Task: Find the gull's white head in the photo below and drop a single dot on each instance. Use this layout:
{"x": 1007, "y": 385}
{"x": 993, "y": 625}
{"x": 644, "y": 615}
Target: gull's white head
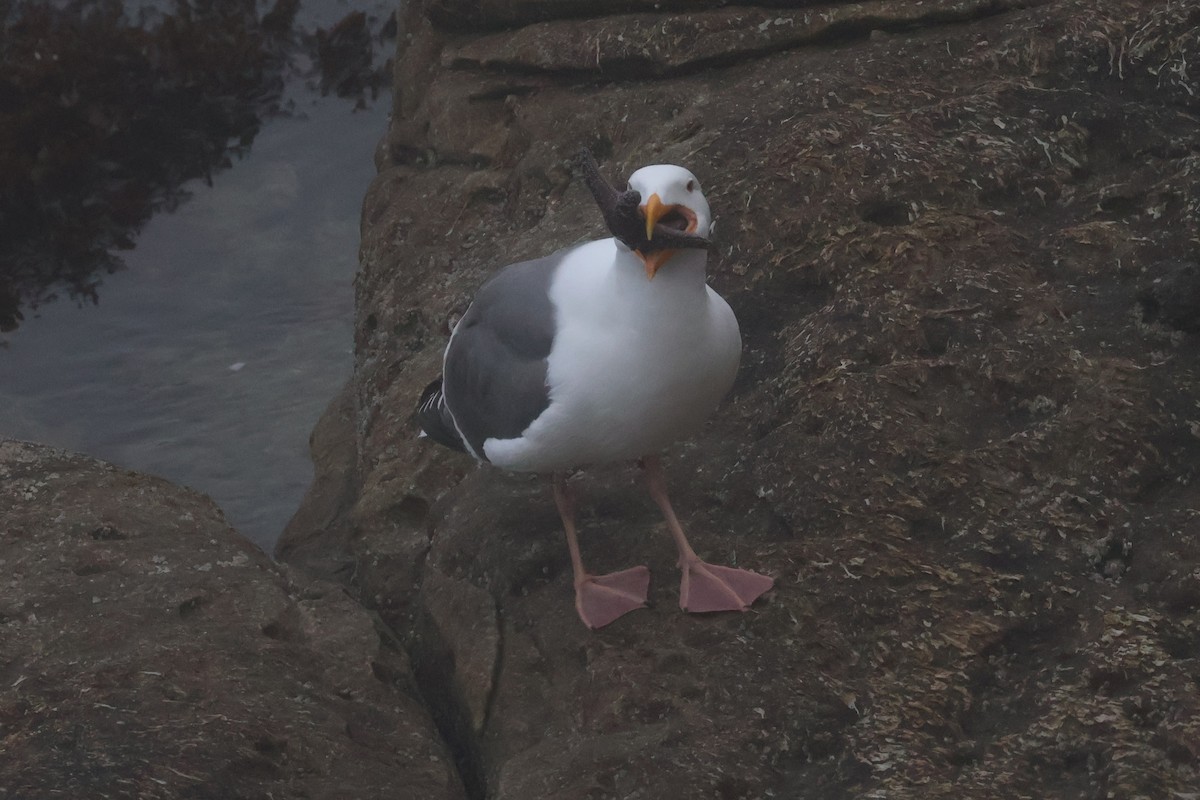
{"x": 671, "y": 197}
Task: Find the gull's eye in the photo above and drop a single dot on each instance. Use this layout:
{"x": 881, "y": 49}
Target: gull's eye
{"x": 691, "y": 186}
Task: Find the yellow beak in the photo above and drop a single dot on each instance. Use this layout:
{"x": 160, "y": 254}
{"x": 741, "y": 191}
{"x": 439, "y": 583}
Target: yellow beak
{"x": 654, "y": 209}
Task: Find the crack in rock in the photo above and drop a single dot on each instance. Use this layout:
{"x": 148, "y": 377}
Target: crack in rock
{"x": 653, "y": 45}
{"x": 456, "y": 655}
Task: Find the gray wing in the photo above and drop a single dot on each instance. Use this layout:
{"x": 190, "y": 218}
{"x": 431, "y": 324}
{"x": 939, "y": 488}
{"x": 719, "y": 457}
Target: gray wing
{"x": 495, "y": 371}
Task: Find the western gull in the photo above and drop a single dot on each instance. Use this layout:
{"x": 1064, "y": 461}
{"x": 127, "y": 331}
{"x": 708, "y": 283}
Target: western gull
{"x": 602, "y": 352}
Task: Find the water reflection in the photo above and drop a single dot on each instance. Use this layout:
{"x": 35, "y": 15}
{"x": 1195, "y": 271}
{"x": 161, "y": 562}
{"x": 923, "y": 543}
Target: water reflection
{"x": 210, "y": 357}
{"x": 103, "y": 117}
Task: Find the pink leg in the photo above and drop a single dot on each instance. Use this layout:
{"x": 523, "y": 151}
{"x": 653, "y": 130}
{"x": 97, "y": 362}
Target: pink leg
{"x": 705, "y": 587}
{"x": 599, "y": 599}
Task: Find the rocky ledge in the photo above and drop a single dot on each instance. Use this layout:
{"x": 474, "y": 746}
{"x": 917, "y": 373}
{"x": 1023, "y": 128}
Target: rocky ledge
{"x": 958, "y": 236}
{"x": 147, "y": 650}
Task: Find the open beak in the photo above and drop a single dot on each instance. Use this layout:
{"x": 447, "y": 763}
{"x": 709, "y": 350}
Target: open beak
{"x": 654, "y": 210}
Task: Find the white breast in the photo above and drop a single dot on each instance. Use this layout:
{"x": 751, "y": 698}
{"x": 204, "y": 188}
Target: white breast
{"x": 636, "y": 363}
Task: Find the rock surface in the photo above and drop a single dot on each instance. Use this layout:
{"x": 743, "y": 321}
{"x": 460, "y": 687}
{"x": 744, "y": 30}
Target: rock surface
{"x": 147, "y": 650}
{"x": 964, "y": 439}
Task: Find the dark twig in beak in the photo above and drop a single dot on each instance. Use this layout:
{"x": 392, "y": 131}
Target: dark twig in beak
{"x": 621, "y": 216}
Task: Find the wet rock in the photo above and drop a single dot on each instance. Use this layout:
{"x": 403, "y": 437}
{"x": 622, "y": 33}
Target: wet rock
{"x": 150, "y": 651}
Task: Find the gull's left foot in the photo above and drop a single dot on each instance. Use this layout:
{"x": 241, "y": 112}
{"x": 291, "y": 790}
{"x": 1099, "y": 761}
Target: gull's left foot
{"x": 711, "y": 587}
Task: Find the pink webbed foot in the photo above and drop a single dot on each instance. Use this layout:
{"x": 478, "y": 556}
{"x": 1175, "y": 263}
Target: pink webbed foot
{"x": 711, "y": 587}
{"x": 600, "y": 599}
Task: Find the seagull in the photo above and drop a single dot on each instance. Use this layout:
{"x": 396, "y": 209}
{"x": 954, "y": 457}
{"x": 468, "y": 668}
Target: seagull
{"x": 603, "y": 352}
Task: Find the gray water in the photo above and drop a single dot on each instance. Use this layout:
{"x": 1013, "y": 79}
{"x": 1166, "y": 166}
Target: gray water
{"x": 210, "y": 358}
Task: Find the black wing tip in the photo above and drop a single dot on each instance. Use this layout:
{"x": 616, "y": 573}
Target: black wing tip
{"x": 434, "y": 418}
{"x": 431, "y": 395}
